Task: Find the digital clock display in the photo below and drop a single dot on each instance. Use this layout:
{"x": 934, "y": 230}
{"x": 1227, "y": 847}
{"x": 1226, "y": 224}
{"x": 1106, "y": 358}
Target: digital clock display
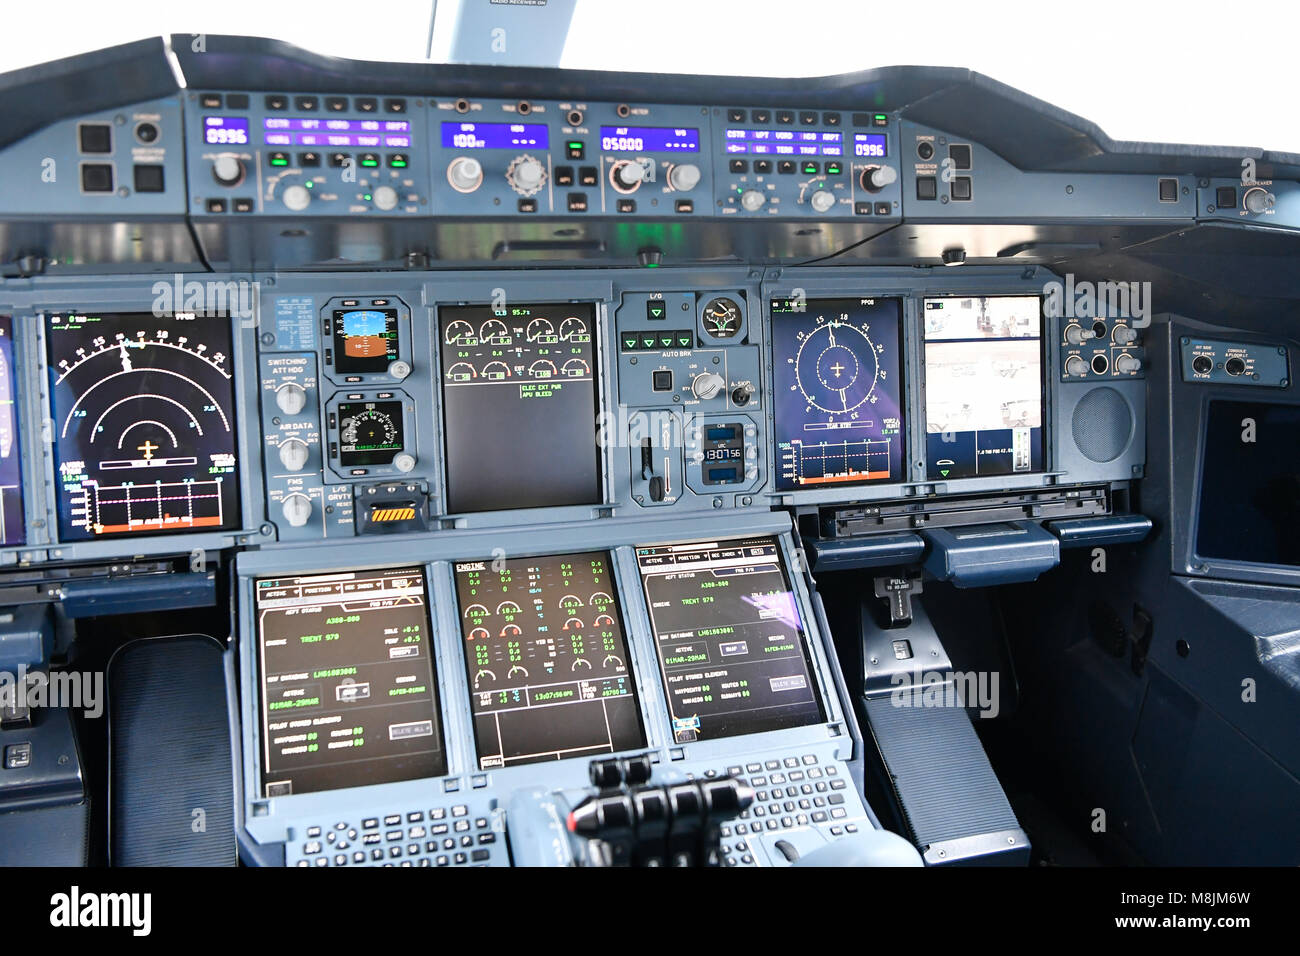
{"x": 225, "y": 131}
{"x": 649, "y": 139}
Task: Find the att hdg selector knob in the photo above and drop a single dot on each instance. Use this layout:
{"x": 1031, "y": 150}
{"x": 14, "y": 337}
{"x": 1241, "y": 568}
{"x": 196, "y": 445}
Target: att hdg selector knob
{"x": 707, "y": 385}
{"x": 385, "y": 198}
{"x": 684, "y": 177}
{"x": 525, "y": 175}
{"x": 1075, "y": 365}
{"x": 876, "y": 178}
{"x": 228, "y": 170}
{"x": 823, "y": 200}
{"x": 465, "y": 173}
{"x": 296, "y": 509}
{"x": 752, "y": 200}
{"x": 293, "y": 453}
{"x": 290, "y": 398}
{"x": 1127, "y": 364}
{"x": 296, "y": 198}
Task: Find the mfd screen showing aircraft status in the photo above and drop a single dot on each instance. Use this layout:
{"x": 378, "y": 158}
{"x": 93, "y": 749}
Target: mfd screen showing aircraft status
{"x": 12, "y": 530}
{"x": 547, "y": 659}
{"x": 732, "y": 649}
{"x": 838, "y": 412}
{"x": 519, "y": 401}
{"x": 983, "y": 386}
{"x": 349, "y": 693}
{"x": 144, "y": 423}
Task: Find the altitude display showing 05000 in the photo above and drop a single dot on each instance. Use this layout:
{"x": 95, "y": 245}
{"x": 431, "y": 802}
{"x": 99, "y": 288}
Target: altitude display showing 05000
{"x": 144, "y": 423}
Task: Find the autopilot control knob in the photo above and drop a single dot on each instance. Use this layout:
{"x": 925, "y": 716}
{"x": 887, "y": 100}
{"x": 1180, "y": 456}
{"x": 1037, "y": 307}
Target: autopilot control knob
{"x": 525, "y": 175}
{"x": 629, "y": 175}
{"x": 1258, "y": 200}
{"x": 296, "y": 509}
{"x": 465, "y": 173}
{"x": 707, "y": 385}
{"x": 385, "y": 198}
{"x": 1125, "y": 335}
{"x": 293, "y": 453}
{"x": 823, "y": 200}
{"x": 876, "y": 178}
{"x": 684, "y": 177}
{"x": 1127, "y": 364}
{"x": 1075, "y": 365}
{"x": 228, "y": 170}
{"x": 296, "y": 198}
{"x": 752, "y": 200}
{"x": 1077, "y": 334}
{"x": 291, "y": 398}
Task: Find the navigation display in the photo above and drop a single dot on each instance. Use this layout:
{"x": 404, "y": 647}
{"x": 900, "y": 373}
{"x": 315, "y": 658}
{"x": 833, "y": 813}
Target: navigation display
{"x": 12, "y": 529}
{"x": 838, "y": 391}
{"x": 519, "y": 401}
{"x": 144, "y": 423}
{"x": 349, "y": 693}
{"x": 983, "y": 385}
{"x": 732, "y": 649}
{"x": 547, "y": 659}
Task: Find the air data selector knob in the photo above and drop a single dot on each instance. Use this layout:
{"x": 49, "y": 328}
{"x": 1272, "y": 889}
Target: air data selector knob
{"x": 296, "y": 198}
{"x": 684, "y": 177}
{"x": 293, "y": 453}
{"x": 465, "y": 173}
{"x": 296, "y": 509}
{"x": 707, "y": 385}
{"x": 290, "y": 398}
{"x": 752, "y": 200}
{"x": 228, "y": 170}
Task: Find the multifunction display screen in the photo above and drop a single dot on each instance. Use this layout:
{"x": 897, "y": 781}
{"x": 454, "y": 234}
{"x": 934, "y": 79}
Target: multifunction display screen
{"x": 144, "y": 423}
{"x": 983, "y": 385}
{"x": 839, "y": 417}
{"x": 519, "y": 396}
{"x": 365, "y": 340}
{"x": 732, "y": 649}
{"x": 12, "y": 530}
{"x": 349, "y": 692}
{"x": 547, "y": 659}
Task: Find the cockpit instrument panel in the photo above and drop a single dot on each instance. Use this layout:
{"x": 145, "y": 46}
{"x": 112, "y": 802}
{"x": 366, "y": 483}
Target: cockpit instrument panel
{"x": 983, "y": 385}
{"x": 349, "y": 693}
{"x": 12, "y": 530}
{"x": 838, "y": 391}
{"x": 519, "y": 395}
{"x": 547, "y": 659}
{"x": 732, "y": 650}
{"x": 145, "y": 438}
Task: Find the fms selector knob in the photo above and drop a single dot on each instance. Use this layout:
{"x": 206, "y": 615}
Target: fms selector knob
{"x": 296, "y": 509}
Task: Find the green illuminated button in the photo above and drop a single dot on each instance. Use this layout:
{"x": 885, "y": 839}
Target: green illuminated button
{"x": 630, "y": 340}
{"x": 810, "y": 169}
{"x": 666, "y": 339}
{"x": 370, "y": 160}
{"x": 648, "y": 340}
{"x": 655, "y": 309}
{"x": 279, "y": 159}
{"x": 685, "y": 340}
{"x": 834, "y": 169}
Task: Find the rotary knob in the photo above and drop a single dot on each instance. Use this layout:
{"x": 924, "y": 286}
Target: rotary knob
{"x": 525, "y": 175}
{"x": 628, "y": 175}
{"x": 399, "y": 369}
{"x": 1075, "y": 365}
{"x": 290, "y": 398}
{"x": 404, "y": 462}
{"x": 296, "y": 509}
{"x": 293, "y": 453}
{"x": 385, "y": 198}
{"x": 876, "y": 178}
{"x": 228, "y": 170}
{"x": 1125, "y": 335}
{"x": 1257, "y": 200}
{"x": 707, "y": 385}
{"x": 752, "y": 200}
{"x": 1127, "y": 364}
{"x": 684, "y": 177}
{"x": 823, "y": 200}
{"x": 465, "y": 173}
{"x": 296, "y": 198}
{"x": 1077, "y": 334}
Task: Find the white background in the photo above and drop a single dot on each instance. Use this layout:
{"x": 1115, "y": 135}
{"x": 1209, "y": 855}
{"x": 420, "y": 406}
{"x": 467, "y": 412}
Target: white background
{"x": 1192, "y": 72}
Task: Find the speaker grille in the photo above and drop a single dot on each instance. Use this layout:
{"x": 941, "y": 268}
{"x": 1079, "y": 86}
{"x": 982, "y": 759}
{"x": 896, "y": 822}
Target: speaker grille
{"x": 1102, "y": 425}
